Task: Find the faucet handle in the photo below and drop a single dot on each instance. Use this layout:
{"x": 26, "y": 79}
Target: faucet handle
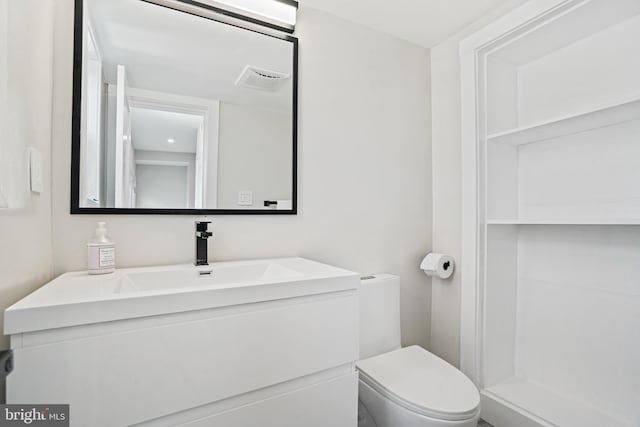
{"x": 202, "y": 225}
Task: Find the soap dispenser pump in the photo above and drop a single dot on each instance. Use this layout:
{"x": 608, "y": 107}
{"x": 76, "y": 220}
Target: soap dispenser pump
{"x": 101, "y": 252}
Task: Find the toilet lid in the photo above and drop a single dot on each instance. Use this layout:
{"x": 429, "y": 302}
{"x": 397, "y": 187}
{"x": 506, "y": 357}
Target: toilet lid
{"x": 421, "y": 382}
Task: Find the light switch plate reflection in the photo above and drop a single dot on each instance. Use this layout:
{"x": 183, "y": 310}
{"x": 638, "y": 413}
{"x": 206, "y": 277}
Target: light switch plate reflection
{"x": 245, "y": 198}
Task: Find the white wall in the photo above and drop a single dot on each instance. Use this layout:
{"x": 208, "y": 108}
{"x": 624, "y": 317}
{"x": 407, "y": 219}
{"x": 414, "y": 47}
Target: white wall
{"x": 161, "y": 186}
{"x": 254, "y": 154}
{"x": 188, "y": 159}
{"x": 25, "y": 231}
{"x": 364, "y": 169}
{"x": 447, "y": 184}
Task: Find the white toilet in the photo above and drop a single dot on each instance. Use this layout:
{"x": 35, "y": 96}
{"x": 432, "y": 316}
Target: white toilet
{"x": 405, "y": 387}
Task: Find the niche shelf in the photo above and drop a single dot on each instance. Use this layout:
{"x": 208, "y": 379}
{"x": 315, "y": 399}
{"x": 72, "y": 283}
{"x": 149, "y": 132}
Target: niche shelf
{"x": 584, "y": 170}
{"x": 594, "y": 119}
{"x": 565, "y": 221}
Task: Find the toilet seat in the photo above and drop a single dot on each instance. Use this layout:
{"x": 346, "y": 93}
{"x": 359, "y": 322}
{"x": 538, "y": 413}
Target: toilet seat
{"x": 422, "y": 383}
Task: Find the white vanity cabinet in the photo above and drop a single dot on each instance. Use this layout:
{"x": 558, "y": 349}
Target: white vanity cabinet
{"x": 285, "y": 358}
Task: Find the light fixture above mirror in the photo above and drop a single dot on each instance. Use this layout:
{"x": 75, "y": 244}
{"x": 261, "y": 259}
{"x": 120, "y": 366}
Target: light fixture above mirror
{"x": 279, "y": 15}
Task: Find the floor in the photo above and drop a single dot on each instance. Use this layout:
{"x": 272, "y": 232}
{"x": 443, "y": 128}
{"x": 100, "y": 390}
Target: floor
{"x": 483, "y": 423}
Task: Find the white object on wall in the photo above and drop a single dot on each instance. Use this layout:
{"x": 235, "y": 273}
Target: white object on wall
{"x": 35, "y": 170}
{"x": 3, "y": 201}
{"x": 438, "y": 265}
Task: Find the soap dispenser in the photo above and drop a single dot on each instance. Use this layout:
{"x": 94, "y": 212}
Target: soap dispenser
{"x": 101, "y": 252}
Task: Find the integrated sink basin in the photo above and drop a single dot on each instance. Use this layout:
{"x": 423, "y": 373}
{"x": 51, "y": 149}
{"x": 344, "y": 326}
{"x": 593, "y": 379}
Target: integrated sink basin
{"x": 78, "y": 298}
{"x": 241, "y": 274}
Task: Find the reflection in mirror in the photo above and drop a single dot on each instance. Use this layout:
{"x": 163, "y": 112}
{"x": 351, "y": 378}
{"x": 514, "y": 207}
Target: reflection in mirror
{"x": 183, "y": 112}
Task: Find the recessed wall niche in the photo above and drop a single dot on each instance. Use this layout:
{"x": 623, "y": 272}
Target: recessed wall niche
{"x": 559, "y": 218}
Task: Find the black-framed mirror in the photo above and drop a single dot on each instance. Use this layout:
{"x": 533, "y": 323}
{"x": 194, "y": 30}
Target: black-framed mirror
{"x": 178, "y": 112}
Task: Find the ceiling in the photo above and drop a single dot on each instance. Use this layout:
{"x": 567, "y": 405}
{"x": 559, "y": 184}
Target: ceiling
{"x": 424, "y": 22}
{"x": 173, "y": 52}
{"x": 152, "y": 129}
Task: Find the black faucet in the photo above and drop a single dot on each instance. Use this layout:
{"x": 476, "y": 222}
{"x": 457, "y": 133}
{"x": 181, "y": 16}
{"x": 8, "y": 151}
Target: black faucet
{"x": 202, "y": 236}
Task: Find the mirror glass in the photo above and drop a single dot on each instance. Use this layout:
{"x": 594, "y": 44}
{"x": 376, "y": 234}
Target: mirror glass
{"x": 180, "y": 112}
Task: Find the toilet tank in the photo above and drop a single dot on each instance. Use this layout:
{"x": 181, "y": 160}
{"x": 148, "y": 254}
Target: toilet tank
{"x": 379, "y": 314}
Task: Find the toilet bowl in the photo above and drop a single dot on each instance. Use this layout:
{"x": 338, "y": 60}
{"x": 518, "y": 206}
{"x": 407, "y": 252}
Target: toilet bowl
{"x": 405, "y": 387}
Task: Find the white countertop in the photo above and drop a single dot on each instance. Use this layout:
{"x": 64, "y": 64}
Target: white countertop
{"x": 78, "y": 298}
